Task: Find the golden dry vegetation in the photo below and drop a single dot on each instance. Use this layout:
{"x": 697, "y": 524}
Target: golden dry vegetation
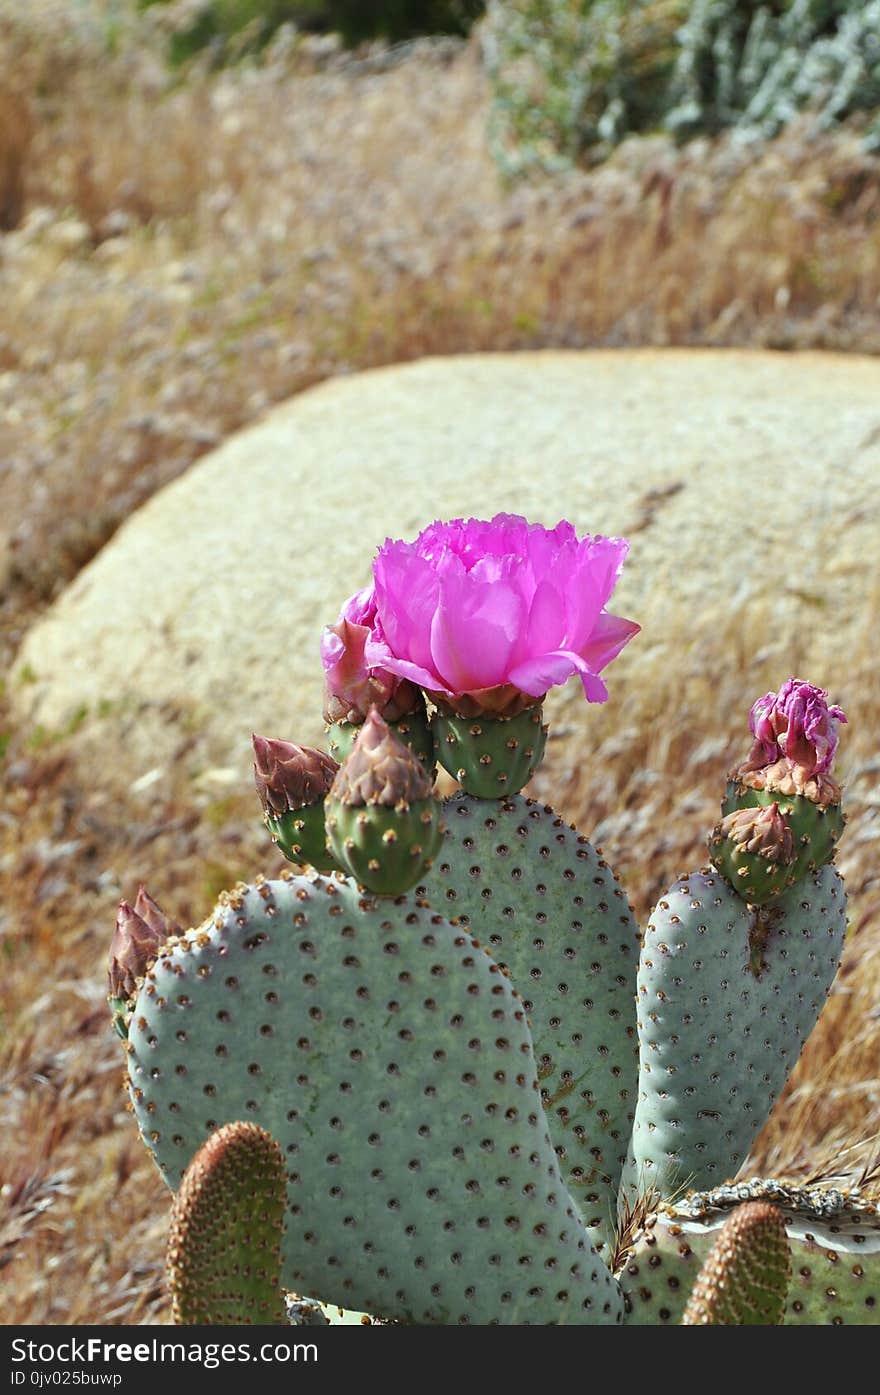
{"x": 178, "y": 253}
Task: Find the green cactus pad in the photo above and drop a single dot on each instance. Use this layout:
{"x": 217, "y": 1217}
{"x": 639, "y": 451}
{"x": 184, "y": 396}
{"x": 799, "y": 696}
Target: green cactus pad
{"x": 549, "y": 909}
{"x": 744, "y": 1279}
{"x": 227, "y": 1223}
{"x": 834, "y": 1237}
{"x": 718, "y": 1040}
{"x": 302, "y": 836}
{"x": 414, "y": 730}
{"x": 815, "y": 830}
{"x": 391, "y": 1058}
{"x": 386, "y": 849}
{"x": 490, "y": 757}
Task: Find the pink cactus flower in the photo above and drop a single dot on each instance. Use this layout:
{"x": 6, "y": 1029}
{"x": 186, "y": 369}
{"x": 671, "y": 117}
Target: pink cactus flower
{"x": 798, "y": 723}
{"x": 478, "y": 613}
{"x": 353, "y": 683}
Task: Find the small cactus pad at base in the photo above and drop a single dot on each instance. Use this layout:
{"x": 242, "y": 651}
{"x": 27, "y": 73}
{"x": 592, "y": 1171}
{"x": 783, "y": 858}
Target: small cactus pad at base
{"x": 834, "y": 1238}
{"x": 549, "y": 909}
{"x": 744, "y": 1278}
{"x": 726, "y": 998}
{"x": 227, "y": 1223}
{"x": 491, "y": 757}
{"x": 391, "y": 1058}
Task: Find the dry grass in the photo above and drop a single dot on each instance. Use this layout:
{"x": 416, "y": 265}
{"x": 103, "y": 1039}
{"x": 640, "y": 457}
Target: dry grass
{"x": 189, "y": 253}
{"x": 181, "y": 256}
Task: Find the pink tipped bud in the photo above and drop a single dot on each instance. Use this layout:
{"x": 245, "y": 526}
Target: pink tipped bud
{"x": 798, "y": 723}
{"x": 288, "y": 776}
{"x": 795, "y": 733}
{"x": 134, "y": 947}
{"x": 352, "y": 684}
{"x": 381, "y": 769}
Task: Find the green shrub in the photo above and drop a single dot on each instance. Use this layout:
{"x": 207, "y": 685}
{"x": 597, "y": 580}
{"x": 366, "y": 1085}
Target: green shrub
{"x": 576, "y": 76}
{"x": 238, "y": 25}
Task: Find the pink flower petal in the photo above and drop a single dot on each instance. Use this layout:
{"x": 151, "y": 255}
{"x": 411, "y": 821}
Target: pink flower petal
{"x": 474, "y": 605}
{"x": 473, "y": 632}
{"x": 407, "y": 594}
{"x": 536, "y": 675}
{"x": 547, "y": 619}
{"x": 609, "y": 634}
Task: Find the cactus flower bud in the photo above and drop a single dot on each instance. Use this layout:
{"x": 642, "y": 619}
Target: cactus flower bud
{"x": 288, "y": 776}
{"x": 380, "y": 770}
{"x": 383, "y": 823}
{"x": 761, "y": 829}
{"x": 151, "y": 912}
{"x": 352, "y": 684}
{"x": 753, "y": 847}
{"x": 134, "y": 947}
{"x": 292, "y": 782}
{"x": 787, "y": 777}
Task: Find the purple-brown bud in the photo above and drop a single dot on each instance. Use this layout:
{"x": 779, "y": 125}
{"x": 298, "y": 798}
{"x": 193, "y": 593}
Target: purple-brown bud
{"x": 381, "y": 769}
{"x": 288, "y": 776}
{"x": 134, "y": 947}
{"x": 150, "y": 911}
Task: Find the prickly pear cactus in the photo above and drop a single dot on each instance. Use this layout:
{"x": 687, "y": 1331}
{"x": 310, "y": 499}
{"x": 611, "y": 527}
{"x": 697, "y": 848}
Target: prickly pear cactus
{"x": 549, "y": 909}
{"x": 727, "y": 995}
{"x": 834, "y": 1237}
{"x": 391, "y": 1058}
{"x": 471, "y": 1112}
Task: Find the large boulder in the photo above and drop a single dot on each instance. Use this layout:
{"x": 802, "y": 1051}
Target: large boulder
{"x": 747, "y": 482}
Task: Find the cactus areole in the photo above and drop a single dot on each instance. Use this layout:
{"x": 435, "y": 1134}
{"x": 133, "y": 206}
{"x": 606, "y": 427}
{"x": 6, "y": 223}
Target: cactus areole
{"x": 487, "y": 1088}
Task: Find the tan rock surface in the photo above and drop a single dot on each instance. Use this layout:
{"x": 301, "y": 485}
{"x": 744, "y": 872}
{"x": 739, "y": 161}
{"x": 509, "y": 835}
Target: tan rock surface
{"x": 736, "y": 475}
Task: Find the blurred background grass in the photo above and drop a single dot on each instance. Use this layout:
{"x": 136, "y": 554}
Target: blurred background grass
{"x": 207, "y": 207}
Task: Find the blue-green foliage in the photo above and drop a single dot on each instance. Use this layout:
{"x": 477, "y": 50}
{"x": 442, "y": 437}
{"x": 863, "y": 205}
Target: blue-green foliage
{"x": 757, "y": 70}
{"x": 571, "y": 76}
{"x": 568, "y": 75}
